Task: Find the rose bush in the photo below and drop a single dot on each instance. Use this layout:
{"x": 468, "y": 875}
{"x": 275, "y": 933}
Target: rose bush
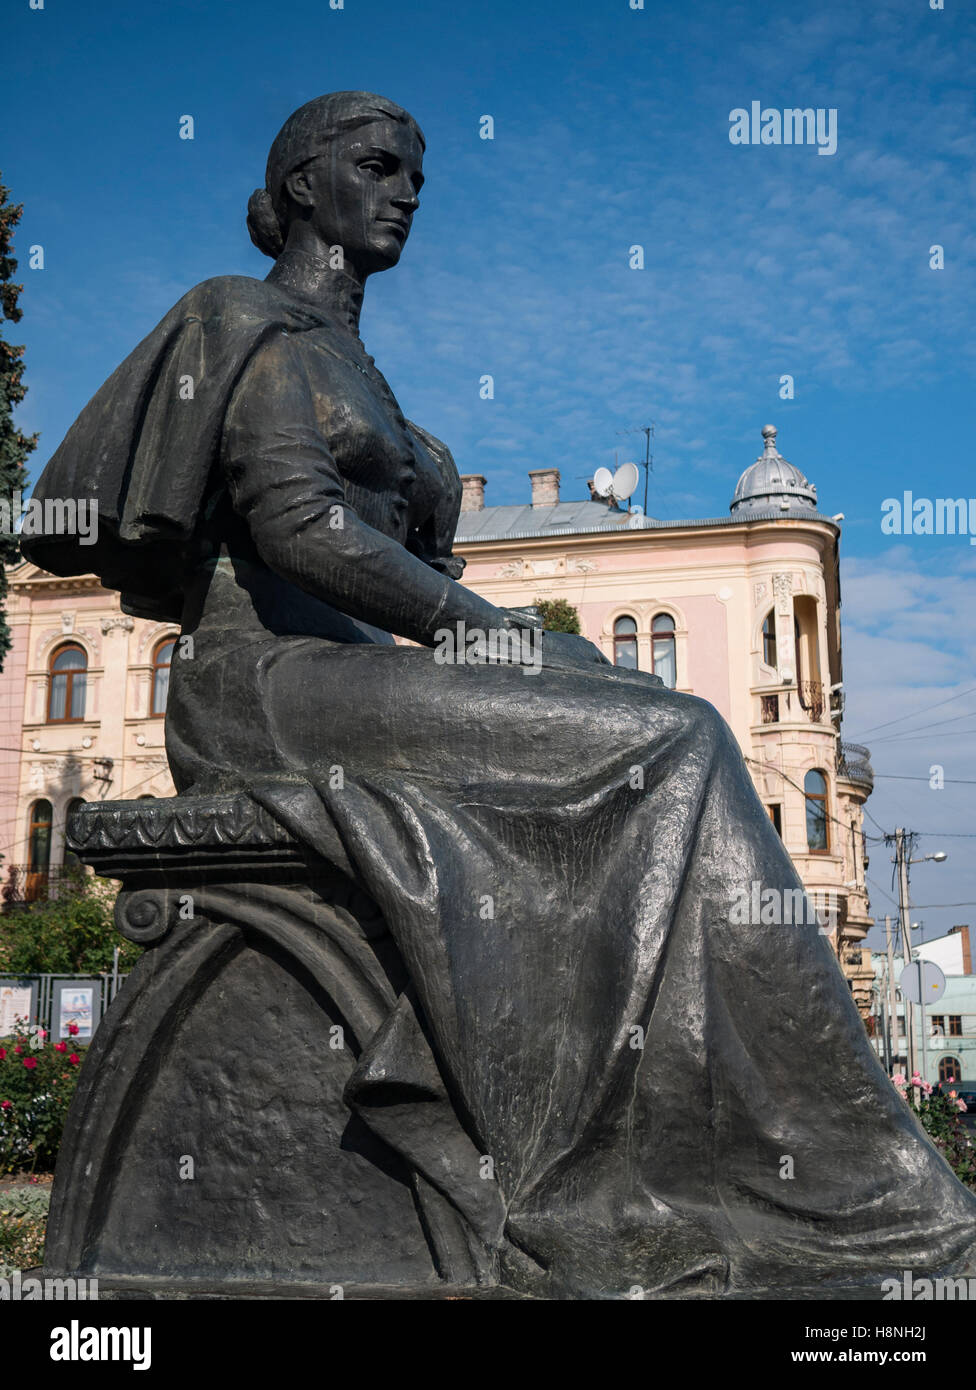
{"x": 941, "y": 1117}
{"x": 37, "y": 1081}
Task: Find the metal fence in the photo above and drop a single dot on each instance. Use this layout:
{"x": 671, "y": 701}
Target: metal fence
{"x": 54, "y": 1002}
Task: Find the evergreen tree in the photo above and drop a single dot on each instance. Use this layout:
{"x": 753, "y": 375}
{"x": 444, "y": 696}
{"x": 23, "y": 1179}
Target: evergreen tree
{"x": 14, "y": 445}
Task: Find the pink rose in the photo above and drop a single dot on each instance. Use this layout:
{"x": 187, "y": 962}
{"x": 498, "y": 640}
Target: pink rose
{"x": 61, "y": 1047}
{"x": 74, "y": 1059}
{"x": 5, "y": 1105}
{"x": 30, "y": 1063}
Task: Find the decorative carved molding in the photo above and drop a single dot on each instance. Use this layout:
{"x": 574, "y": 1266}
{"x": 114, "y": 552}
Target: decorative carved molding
{"x": 174, "y": 823}
{"x": 583, "y": 566}
{"x": 512, "y": 569}
{"x": 759, "y": 592}
{"x": 67, "y": 622}
{"x": 783, "y": 592}
{"x": 122, "y": 622}
{"x": 151, "y": 634}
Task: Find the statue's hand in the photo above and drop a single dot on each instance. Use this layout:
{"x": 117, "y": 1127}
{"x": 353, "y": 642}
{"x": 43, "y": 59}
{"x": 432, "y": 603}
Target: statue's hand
{"x": 568, "y": 649}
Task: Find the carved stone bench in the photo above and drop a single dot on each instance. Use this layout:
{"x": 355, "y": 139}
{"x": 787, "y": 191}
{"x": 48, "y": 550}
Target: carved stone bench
{"x": 210, "y": 1144}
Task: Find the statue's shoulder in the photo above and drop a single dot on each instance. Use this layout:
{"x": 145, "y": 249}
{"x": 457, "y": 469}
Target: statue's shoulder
{"x": 434, "y": 446}
{"x": 241, "y": 301}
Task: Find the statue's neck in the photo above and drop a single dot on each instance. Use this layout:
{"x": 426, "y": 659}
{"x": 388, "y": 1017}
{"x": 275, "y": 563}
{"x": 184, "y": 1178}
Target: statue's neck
{"x": 312, "y": 277}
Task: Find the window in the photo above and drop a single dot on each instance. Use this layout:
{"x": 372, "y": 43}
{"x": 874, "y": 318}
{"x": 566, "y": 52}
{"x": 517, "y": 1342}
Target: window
{"x": 815, "y": 790}
{"x": 38, "y": 851}
{"x": 776, "y": 816}
{"x": 66, "y": 699}
{"x": 162, "y": 660}
{"x": 769, "y": 639}
{"x": 938, "y": 1024}
{"x": 955, "y": 1025}
{"x": 662, "y": 649}
{"x": 71, "y": 860}
{"x": 39, "y": 838}
{"x": 769, "y": 708}
{"x": 950, "y": 1069}
{"x": 625, "y": 643}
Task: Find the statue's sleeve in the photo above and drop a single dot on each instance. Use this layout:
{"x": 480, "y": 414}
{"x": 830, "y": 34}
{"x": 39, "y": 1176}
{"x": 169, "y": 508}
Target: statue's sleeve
{"x": 283, "y": 480}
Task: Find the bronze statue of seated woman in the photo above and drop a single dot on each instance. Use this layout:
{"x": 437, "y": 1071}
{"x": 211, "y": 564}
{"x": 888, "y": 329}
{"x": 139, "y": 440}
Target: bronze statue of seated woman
{"x": 567, "y": 1062}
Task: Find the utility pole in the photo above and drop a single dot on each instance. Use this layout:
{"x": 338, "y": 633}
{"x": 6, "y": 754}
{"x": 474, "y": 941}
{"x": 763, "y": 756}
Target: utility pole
{"x": 904, "y": 843}
{"x": 903, "y": 853}
{"x": 895, "y": 1049}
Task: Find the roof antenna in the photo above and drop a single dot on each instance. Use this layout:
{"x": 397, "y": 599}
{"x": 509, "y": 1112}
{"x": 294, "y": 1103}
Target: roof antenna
{"x": 647, "y": 431}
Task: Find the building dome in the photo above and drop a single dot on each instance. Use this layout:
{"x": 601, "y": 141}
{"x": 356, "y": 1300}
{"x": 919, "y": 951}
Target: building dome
{"x": 772, "y": 484}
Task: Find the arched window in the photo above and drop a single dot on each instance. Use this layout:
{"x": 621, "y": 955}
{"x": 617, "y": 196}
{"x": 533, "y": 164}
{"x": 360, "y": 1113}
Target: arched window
{"x": 162, "y": 660}
{"x": 662, "y": 649}
{"x": 39, "y": 838}
{"x": 66, "y": 698}
{"x": 950, "y": 1069}
{"x": 38, "y": 851}
{"x": 815, "y": 790}
{"x": 625, "y": 643}
{"x": 769, "y": 639}
{"x": 71, "y": 860}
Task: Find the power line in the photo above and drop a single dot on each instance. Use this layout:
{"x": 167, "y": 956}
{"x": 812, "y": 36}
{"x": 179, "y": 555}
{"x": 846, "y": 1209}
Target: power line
{"x": 915, "y": 713}
{"x": 938, "y": 723}
{"x": 948, "y": 781}
{"x": 909, "y": 738}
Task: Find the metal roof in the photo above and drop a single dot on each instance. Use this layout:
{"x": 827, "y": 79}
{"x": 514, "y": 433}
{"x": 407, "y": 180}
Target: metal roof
{"x": 595, "y": 518}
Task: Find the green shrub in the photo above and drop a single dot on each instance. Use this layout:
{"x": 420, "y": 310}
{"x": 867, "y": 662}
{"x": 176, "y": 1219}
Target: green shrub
{"x": 558, "y": 615}
{"x": 23, "y": 1221}
{"x": 72, "y": 934}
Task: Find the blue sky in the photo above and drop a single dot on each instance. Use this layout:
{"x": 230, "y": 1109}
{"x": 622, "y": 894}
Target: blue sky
{"x": 611, "y": 129}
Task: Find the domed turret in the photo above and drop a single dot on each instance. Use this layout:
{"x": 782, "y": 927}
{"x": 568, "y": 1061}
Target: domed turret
{"x": 772, "y": 484}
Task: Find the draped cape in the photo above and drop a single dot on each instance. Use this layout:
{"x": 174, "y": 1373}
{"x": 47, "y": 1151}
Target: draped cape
{"x": 143, "y": 454}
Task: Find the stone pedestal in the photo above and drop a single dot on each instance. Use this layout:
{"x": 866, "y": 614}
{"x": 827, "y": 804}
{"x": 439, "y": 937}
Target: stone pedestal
{"x": 209, "y": 1144}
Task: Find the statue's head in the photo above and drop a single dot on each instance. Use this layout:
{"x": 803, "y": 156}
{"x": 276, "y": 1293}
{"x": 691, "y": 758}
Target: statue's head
{"x": 344, "y": 170}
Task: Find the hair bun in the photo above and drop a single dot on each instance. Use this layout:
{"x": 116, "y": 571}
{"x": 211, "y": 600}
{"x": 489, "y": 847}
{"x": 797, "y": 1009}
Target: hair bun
{"x": 263, "y": 224}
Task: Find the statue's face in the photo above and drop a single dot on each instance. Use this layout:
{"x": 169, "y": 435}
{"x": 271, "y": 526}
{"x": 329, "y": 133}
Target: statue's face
{"x": 361, "y": 194}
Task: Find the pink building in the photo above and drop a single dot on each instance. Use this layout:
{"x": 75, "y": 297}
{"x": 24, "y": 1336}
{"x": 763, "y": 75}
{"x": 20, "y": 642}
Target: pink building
{"x": 743, "y": 610}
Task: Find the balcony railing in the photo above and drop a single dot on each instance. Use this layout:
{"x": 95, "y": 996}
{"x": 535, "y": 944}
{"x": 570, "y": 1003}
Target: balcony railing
{"x": 854, "y": 764}
{"x": 811, "y": 695}
{"x": 21, "y": 884}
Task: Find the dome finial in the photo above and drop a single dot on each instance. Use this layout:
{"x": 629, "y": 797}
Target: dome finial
{"x": 772, "y": 484}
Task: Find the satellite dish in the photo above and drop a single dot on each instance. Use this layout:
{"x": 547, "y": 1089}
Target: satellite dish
{"x": 602, "y": 482}
{"x": 625, "y": 480}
